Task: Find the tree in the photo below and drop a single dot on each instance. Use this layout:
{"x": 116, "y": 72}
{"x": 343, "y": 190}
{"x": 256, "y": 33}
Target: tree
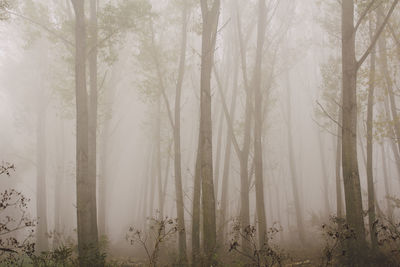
{"x": 350, "y": 67}
{"x": 258, "y": 158}
{"x": 210, "y": 17}
{"x": 85, "y": 184}
{"x": 370, "y": 117}
{"x": 177, "y": 140}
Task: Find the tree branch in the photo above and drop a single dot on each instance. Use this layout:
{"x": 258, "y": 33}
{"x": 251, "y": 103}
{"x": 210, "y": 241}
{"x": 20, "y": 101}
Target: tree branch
{"x": 377, "y": 34}
{"x": 65, "y": 40}
{"x": 362, "y": 16}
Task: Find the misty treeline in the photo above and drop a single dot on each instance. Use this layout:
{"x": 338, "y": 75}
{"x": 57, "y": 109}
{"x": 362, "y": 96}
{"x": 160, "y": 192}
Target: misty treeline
{"x": 199, "y": 133}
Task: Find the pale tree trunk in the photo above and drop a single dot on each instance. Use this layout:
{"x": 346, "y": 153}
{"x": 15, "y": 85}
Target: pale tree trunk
{"x": 218, "y": 153}
{"x": 258, "y": 158}
{"x": 85, "y": 186}
{"x": 158, "y": 160}
{"x": 370, "y": 118}
{"x": 92, "y": 108}
{"x": 196, "y": 211}
{"x": 292, "y": 165}
{"x": 389, "y": 206}
{"x": 325, "y": 179}
{"x": 243, "y": 155}
{"x": 226, "y": 168}
{"x": 41, "y": 192}
{"x": 59, "y": 185}
{"x": 392, "y": 142}
{"x": 210, "y": 23}
{"x": 177, "y": 142}
{"x": 338, "y": 164}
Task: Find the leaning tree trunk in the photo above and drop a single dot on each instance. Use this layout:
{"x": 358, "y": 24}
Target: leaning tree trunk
{"x": 370, "y": 178}
{"x": 227, "y": 159}
{"x": 177, "y": 142}
{"x": 85, "y": 185}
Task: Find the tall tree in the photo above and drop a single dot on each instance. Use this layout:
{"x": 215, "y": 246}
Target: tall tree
{"x": 370, "y": 118}
{"x": 85, "y": 186}
{"x": 210, "y": 17}
{"x": 177, "y": 140}
{"x": 92, "y": 107}
{"x": 350, "y": 67}
{"x": 258, "y": 96}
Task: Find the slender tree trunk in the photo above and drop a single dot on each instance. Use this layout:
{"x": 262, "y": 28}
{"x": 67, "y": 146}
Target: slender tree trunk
{"x": 389, "y": 206}
{"x": 325, "y": 178}
{"x": 42, "y": 243}
{"x": 392, "y": 142}
{"x": 93, "y": 107}
{"x": 339, "y": 196}
{"x": 227, "y": 159}
{"x": 177, "y": 142}
{"x": 218, "y": 153}
{"x": 292, "y": 164}
{"x": 85, "y": 186}
{"x": 258, "y": 157}
{"x": 196, "y": 253}
{"x": 370, "y": 174}
{"x": 158, "y": 160}
{"x": 58, "y": 194}
{"x": 352, "y": 188}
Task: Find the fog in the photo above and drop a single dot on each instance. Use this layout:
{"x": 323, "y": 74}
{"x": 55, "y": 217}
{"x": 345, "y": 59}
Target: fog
{"x": 199, "y": 132}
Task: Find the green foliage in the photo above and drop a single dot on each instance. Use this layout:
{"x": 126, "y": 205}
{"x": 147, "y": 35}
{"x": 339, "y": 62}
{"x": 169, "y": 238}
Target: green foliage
{"x": 3, "y": 6}
{"x": 115, "y": 21}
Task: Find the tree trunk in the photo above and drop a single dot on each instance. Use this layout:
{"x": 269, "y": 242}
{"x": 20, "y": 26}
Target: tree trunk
{"x": 226, "y": 169}
{"x": 339, "y": 197}
{"x": 196, "y": 211}
{"x": 210, "y": 24}
{"x": 177, "y": 142}
{"x": 352, "y": 188}
{"x": 258, "y": 158}
{"x": 325, "y": 179}
{"x": 58, "y": 192}
{"x": 370, "y": 174}
{"x": 158, "y": 161}
{"x": 85, "y": 185}
{"x": 293, "y": 171}
{"x": 389, "y": 206}
{"x": 42, "y": 243}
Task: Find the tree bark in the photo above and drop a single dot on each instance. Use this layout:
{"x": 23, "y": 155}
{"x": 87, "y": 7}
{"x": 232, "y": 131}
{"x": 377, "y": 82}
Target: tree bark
{"x": 210, "y": 23}
{"x": 42, "y": 243}
{"x": 258, "y": 158}
{"x": 370, "y": 174}
{"x": 85, "y": 185}
{"x": 339, "y": 196}
{"x": 177, "y": 142}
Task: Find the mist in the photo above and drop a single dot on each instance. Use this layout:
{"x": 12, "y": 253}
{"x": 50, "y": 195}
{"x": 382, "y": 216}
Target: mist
{"x": 199, "y": 133}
